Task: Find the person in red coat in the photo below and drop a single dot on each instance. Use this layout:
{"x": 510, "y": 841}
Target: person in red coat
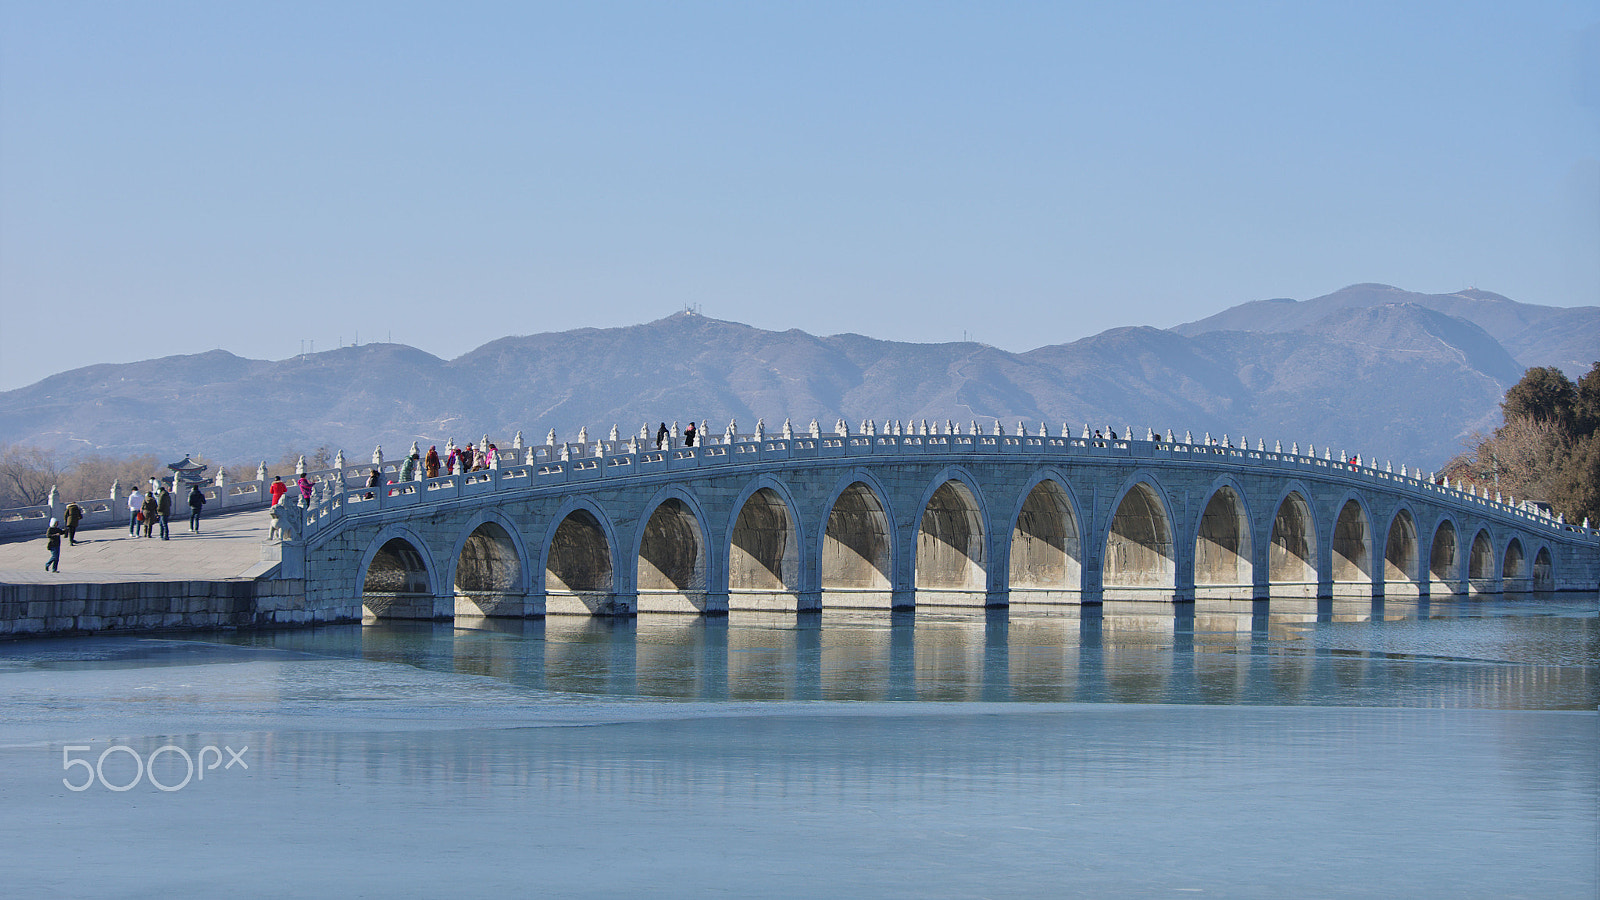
{"x": 278, "y": 489}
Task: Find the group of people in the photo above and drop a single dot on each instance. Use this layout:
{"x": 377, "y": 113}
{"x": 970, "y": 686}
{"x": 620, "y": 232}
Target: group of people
{"x": 151, "y": 509}
{"x": 663, "y": 437}
{"x": 147, "y": 511}
{"x": 278, "y": 489}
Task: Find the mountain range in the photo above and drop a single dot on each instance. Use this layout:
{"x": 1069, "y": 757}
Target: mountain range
{"x": 1371, "y": 369}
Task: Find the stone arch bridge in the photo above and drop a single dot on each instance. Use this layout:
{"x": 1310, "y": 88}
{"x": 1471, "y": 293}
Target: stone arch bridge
{"x": 896, "y": 521}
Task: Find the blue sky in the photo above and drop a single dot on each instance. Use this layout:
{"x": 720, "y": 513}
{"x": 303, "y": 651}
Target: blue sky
{"x": 179, "y": 177}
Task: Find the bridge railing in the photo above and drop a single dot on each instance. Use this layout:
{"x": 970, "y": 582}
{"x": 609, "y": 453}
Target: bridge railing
{"x": 344, "y": 492}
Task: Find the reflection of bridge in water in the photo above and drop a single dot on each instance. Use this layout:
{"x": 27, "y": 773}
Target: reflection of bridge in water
{"x": 1209, "y": 651}
{"x": 894, "y": 521}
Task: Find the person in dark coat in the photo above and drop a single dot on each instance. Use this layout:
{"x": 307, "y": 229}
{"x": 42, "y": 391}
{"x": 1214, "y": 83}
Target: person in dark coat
{"x": 688, "y": 435}
{"x": 74, "y": 516}
{"x": 52, "y": 542}
{"x": 151, "y": 509}
{"x": 661, "y": 437}
{"x": 164, "y": 510}
{"x": 196, "y": 500}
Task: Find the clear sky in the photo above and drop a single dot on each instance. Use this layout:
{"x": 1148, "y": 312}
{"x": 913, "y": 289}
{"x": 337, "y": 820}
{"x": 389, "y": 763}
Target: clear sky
{"x": 179, "y": 177}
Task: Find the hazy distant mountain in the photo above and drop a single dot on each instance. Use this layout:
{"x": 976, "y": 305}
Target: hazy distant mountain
{"x": 1534, "y": 335}
{"x": 1369, "y": 369}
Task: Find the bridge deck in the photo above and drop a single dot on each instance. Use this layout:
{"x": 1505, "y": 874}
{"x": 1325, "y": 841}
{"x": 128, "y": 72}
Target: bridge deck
{"x": 227, "y": 547}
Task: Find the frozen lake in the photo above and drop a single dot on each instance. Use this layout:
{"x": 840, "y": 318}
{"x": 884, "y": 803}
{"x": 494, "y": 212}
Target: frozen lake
{"x": 1314, "y": 750}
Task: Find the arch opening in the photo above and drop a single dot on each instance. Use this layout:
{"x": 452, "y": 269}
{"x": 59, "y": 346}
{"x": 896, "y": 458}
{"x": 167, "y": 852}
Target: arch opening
{"x": 1139, "y": 554}
{"x": 1402, "y": 557}
{"x": 672, "y": 556}
{"x": 580, "y": 557}
{"x": 1352, "y": 552}
{"x": 1222, "y": 567}
{"x": 1514, "y": 575}
{"x": 763, "y": 554}
{"x": 1291, "y": 559}
{"x": 1444, "y": 564}
{"x": 856, "y": 546}
{"x": 1480, "y": 563}
{"x": 488, "y": 562}
{"x": 396, "y": 585}
{"x": 1544, "y": 576}
{"x": 950, "y": 544}
{"x": 1045, "y": 551}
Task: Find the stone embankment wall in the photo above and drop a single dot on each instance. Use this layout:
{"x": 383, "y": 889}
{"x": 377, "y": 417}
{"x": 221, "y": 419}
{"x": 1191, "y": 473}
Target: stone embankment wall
{"x": 54, "y": 609}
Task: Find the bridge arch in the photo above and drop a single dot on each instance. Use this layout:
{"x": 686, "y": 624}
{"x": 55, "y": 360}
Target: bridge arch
{"x": 489, "y": 557}
{"x": 577, "y": 559}
{"x": 1223, "y": 545}
{"x": 1481, "y": 563}
{"x": 1402, "y": 556}
{"x": 671, "y": 552}
{"x": 1444, "y": 557}
{"x": 1292, "y": 552}
{"x": 1045, "y": 553}
{"x": 764, "y": 540}
{"x": 1543, "y": 574}
{"x": 1352, "y": 549}
{"x": 1140, "y": 558}
{"x": 398, "y": 576}
{"x": 855, "y": 549}
{"x": 1514, "y": 573}
{"x": 952, "y": 550}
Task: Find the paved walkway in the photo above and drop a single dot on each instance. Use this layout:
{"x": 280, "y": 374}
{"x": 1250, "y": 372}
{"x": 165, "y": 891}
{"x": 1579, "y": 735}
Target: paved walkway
{"x": 228, "y": 546}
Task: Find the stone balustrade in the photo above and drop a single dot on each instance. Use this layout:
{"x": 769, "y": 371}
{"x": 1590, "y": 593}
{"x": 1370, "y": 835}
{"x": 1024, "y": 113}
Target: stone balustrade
{"x": 342, "y": 492}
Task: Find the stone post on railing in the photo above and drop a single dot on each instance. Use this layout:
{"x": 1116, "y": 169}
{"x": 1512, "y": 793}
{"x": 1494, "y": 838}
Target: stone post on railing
{"x": 58, "y": 510}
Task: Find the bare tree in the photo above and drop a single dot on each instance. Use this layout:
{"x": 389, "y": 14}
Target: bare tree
{"x": 26, "y": 475}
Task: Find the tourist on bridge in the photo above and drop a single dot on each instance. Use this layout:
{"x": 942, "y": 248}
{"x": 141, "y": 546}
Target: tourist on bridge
{"x": 409, "y": 468}
{"x": 661, "y": 437}
{"x": 52, "y": 542}
{"x": 150, "y": 509}
{"x": 491, "y": 458}
{"x": 196, "y": 500}
{"x": 164, "y": 510}
{"x": 464, "y": 459}
{"x": 431, "y": 464}
{"x": 135, "y": 503}
{"x": 372, "y": 482}
{"x": 277, "y": 489}
{"x": 452, "y": 463}
{"x": 74, "y": 516}
{"x": 688, "y": 435}
{"x": 306, "y": 489}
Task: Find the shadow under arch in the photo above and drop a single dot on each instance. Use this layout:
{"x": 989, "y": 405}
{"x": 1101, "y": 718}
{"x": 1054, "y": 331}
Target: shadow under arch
{"x": 1444, "y": 559}
{"x": 951, "y": 566}
{"x": 671, "y": 555}
{"x": 578, "y": 572}
{"x": 1292, "y": 552}
{"x": 1480, "y": 564}
{"x": 1045, "y": 555}
{"x": 1140, "y": 563}
{"x": 764, "y": 543}
{"x": 489, "y": 572}
{"x": 397, "y": 577}
{"x": 1514, "y": 572}
{"x": 1351, "y": 551}
{"x": 1222, "y": 547}
{"x": 1402, "y": 557}
{"x": 1544, "y": 575}
{"x": 856, "y": 553}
